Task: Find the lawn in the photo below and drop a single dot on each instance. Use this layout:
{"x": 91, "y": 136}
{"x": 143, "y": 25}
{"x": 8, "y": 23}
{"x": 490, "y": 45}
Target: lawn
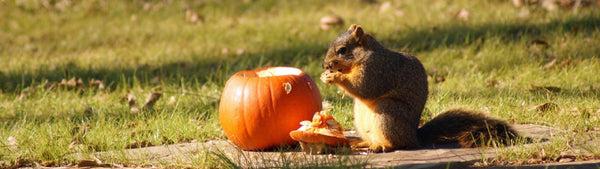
{"x": 67, "y": 67}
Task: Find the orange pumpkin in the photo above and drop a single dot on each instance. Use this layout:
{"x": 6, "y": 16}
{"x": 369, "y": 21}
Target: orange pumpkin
{"x": 260, "y": 107}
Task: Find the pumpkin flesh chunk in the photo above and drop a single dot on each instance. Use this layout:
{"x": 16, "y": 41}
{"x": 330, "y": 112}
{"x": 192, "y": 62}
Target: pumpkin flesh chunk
{"x": 320, "y": 134}
{"x": 279, "y": 71}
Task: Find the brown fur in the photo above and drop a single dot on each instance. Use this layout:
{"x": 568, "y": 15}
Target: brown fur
{"x": 389, "y": 91}
{"x": 468, "y": 128}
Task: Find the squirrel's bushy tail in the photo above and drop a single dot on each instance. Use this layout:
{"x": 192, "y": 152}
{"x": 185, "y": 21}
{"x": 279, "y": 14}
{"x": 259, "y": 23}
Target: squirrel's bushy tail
{"x": 468, "y": 128}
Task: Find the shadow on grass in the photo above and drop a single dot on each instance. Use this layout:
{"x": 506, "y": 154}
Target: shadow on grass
{"x": 302, "y": 53}
{"x": 457, "y": 34}
{"x": 214, "y": 70}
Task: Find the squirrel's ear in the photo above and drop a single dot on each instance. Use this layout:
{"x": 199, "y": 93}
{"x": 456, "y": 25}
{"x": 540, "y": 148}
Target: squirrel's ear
{"x": 358, "y": 32}
{"x": 352, "y": 27}
{"x": 359, "y": 35}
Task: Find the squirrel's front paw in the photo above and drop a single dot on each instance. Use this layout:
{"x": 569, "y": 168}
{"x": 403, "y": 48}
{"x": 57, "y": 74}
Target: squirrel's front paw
{"x": 376, "y": 148}
{"x": 329, "y": 77}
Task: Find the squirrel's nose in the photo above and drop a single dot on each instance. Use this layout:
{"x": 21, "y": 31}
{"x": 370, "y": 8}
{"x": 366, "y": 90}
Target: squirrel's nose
{"x": 329, "y": 65}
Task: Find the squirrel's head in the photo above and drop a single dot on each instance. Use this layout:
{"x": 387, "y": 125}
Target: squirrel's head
{"x": 346, "y": 50}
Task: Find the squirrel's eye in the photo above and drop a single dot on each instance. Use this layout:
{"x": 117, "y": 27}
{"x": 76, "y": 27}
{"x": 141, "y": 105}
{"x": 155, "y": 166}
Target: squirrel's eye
{"x": 341, "y": 51}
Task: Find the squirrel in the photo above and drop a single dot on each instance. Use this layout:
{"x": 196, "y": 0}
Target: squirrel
{"x": 390, "y": 90}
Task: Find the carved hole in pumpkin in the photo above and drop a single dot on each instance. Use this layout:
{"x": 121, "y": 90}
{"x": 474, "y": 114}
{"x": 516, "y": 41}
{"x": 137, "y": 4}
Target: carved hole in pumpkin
{"x": 279, "y": 71}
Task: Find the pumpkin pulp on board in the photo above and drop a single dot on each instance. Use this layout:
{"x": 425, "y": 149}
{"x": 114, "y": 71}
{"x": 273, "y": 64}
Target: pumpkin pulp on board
{"x": 322, "y": 129}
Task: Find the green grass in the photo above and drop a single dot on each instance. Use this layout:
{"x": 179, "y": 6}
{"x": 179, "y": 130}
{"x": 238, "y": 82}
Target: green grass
{"x": 488, "y": 61}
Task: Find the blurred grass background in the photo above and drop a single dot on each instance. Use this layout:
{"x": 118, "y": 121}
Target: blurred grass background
{"x": 492, "y": 55}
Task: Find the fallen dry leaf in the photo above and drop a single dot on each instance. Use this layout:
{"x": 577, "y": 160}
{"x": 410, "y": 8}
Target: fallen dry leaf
{"x": 436, "y": 78}
{"x": 567, "y": 62}
{"x": 172, "y": 100}
{"x": 71, "y": 83}
{"x": 386, "y": 6}
{"x": 78, "y": 139}
{"x": 78, "y": 132}
{"x": 550, "y": 64}
{"x": 87, "y": 163}
{"x": 133, "y": 18}
{"x": 327, "y": 106}
{"x": 586, "y": 114}
{"x": 533, "y": 161}
{"x": 141, "y": 133}
{"x": 78, "y": 83}
{"x": 77, "y": 146}
{"x": 463, "y": 15}
{"x": 517, "y": 3}
{"x": 193, "y": 16}
{"x": 566, "y": 159}
{"x": 239, "y": 52}
{"x": 553, "y": 5}
{"x": 12, "y": 143}
{"x": 204, "y": 88}
{"x": 523, "y": 13}
{"x": 556, "y": 63}
{"x": 151, "y": 100}
{"x": 549, "y": 5}
{"x": 224, "y": 51}
{"x": 94, "y": 163}
{"x": 330, "y": 21}
{"x": 75, "y": 83}
{"x": 493, "y": 82}
{"x": 553, "y": 89}
{"x": 139, "y": 144}
{"x": 541, "y": 42}
{"x": 544, "y": 107}
{"x": 575, "y": 4}
{"x": 133, "y": 124}
{"x": 134, "y": 109}
{"x": 131, "y": 99}
{"x": 48, "y": 163}
{"x": 440, "y": 79}
{"x": 155, "y": 80}
{"x": 96, "y": 84}
{"x": 294, "y": 31}
{"x": 147, "y": 6}
{"x": 131, "y": 102}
